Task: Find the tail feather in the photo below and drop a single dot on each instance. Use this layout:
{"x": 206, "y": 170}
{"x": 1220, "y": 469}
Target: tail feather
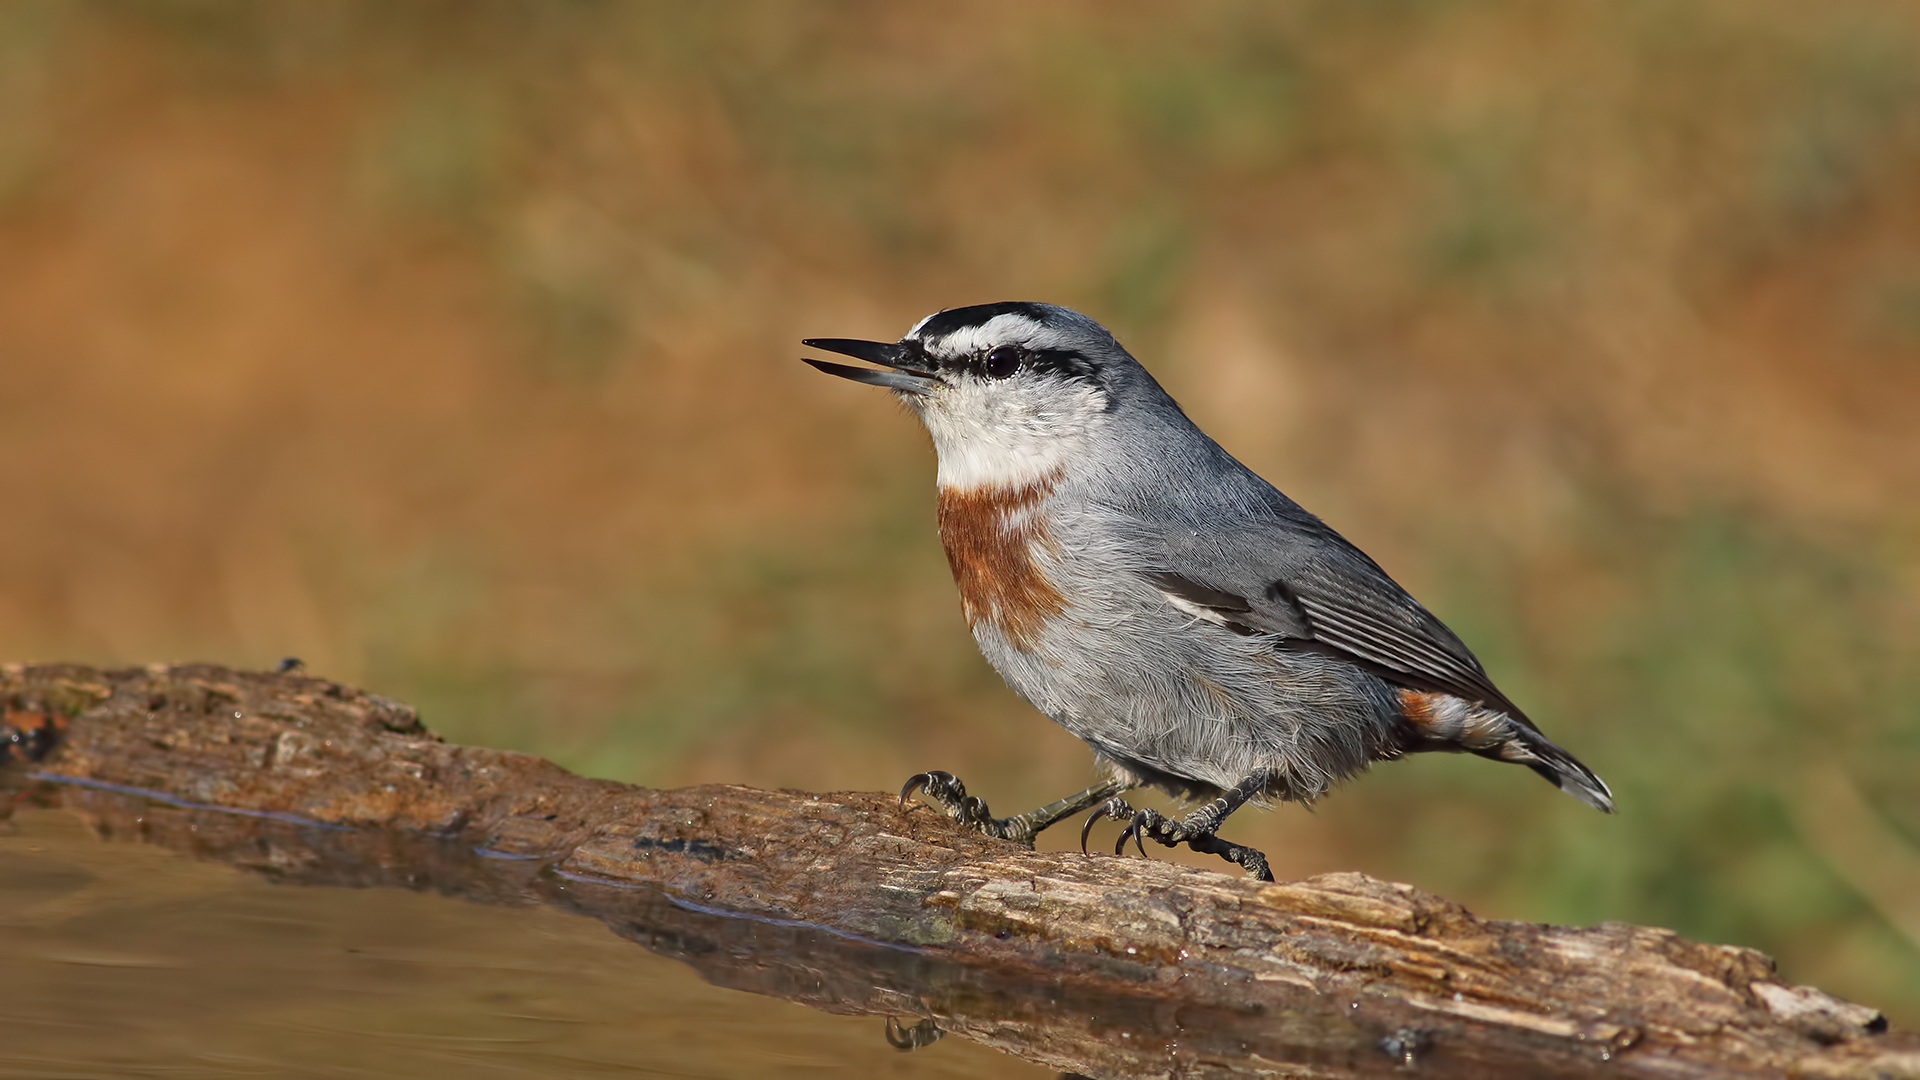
{"x": 1561, "y": 769}
{"x": 1437, "y": 721}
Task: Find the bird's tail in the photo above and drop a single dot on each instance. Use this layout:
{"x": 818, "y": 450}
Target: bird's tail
{"x": 1442, "y": 721}
{"x": 1526, "y": 746}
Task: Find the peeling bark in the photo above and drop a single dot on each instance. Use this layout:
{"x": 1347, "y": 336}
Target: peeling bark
{"x": 1100, "y": 966}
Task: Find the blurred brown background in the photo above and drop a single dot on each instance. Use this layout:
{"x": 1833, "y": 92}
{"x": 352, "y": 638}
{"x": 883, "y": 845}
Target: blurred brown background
{"x": 452, "y": 347}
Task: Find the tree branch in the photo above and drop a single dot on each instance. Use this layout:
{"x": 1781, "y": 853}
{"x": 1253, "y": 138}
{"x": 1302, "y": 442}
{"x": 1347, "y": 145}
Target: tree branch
{"x": 1100, "y": 966}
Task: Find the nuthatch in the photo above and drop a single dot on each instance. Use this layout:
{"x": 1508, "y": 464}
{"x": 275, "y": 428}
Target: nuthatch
{"x": 1149, "y": 593}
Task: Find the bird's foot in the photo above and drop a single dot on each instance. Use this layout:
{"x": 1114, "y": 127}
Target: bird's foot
{"x": 1196, "y": 830}
{"x": 902, "y": 1037}
{"x": 968, "y": 810}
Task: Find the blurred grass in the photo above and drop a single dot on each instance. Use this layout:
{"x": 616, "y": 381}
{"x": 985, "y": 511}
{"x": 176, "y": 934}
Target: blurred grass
{"x": 451, "y": 348}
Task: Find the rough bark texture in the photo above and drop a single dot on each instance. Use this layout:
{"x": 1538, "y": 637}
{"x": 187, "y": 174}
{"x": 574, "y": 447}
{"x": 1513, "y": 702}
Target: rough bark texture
{"x": 1100, "y": 966}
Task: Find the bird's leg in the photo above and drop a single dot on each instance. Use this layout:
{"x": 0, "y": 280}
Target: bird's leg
{"x": 1033, "y": 821}
{"x": 1197, "y": 830}
{"x": 947, "y": 790}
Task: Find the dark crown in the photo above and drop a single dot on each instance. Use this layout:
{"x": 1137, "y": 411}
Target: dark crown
{"x": 954, "y": 320}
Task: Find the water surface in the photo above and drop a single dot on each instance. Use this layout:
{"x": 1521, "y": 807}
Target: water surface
{"x": 124, "y": 958}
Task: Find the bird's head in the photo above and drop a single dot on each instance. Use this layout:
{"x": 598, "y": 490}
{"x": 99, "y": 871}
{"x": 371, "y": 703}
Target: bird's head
{"x": 1010, "y": 392}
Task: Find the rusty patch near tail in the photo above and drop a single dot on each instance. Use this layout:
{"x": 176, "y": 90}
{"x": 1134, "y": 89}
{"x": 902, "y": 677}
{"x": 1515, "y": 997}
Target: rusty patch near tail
{"x": 1420, "y": 708}
{"x": 1450, "y": 720}
{"x": 990, "y": 534}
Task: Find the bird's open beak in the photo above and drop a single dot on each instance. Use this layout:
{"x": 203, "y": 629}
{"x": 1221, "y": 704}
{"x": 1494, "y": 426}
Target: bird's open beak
{"x": 885, "y": 353}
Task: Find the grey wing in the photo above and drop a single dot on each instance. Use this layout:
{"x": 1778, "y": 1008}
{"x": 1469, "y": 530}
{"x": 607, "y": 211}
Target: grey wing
{"x": 1303, "y": 583}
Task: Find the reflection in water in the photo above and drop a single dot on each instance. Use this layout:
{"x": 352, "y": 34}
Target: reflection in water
{"x": 281, "y": 980}
{"x": 924, "y": 1033}
{"x": 125, "y": 959}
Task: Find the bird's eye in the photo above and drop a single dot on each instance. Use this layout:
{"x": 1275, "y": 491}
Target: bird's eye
{"x": 1002, "y": 361}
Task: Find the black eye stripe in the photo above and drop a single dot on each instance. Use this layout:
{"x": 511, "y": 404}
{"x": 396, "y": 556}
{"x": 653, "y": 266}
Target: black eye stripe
{"x": 1063, "y": 362}
{"x": 1059, "y": 363}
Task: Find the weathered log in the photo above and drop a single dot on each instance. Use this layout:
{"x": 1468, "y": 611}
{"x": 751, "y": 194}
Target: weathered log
{"x": 1097, "y": 965}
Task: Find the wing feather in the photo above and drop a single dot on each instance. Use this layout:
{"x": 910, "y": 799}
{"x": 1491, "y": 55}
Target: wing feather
{"x": 1251, "y": 559}
{"x": 1366, "y": 619}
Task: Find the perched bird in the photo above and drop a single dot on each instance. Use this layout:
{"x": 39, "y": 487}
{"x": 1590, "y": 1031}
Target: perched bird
{"x": 1194, "y": 626}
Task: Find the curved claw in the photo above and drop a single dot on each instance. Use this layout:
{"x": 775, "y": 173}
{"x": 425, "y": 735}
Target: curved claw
{"x": 1147, "y": 822}
{"x": 1116, "y": 808}
{"x": 935, "y": 782}
{"x": 916, "y": 782}
{"x": 946, "y": 789}
{"x": 1098, "y": 813}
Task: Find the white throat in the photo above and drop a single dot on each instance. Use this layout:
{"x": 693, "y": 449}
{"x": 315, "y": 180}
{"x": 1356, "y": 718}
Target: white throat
{"x": 987, "y": 439}
{"x": 972, "y": 463}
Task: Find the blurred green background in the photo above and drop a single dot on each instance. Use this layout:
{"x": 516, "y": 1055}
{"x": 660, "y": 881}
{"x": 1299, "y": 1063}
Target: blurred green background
{"x": 452, "y": 347}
